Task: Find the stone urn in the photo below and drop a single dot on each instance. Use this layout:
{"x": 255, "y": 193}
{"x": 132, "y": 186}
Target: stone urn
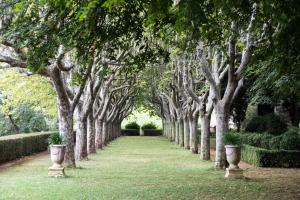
{"x": 233, "y": 156}
{"x": 57, "y": 154}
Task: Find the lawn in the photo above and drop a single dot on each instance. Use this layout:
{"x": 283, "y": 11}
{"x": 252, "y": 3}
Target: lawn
{"x": 137, "y": 168}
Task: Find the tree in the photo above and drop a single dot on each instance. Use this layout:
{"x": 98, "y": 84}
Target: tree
{"x": 39, "y": 33}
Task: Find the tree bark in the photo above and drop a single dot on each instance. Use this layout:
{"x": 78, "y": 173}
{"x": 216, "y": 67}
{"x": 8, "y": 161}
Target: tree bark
{"x": 65, "y": 117}
{"x": 66, "y": 130}
{"x": 164, "y": 132}
{"x": 173, "y": 126}
{"x": 91, "y": 147}
{"x": 104, "y": 134}
{"x": 81, "y": 139}
{"x": 193, "y": 135}
{"x": 205, "y": 136}
{"x": 12, "y": 121}
{"x": 168, "y": 130}
{"x": 221, "y": 129}
{"x": 99, "y": 134}
{"x": 186, "y": 133}
{"x": 176, "y": 132}
{"x": 181, "y": 133}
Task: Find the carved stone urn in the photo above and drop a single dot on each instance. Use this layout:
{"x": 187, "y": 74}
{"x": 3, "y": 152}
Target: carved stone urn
{"x": 57, "y": 154}
{"x": 233, "y": 156}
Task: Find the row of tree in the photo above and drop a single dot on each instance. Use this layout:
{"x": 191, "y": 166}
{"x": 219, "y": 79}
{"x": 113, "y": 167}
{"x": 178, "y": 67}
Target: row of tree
{"x": 214, "y": 49}
{"x": 90, "y": 51}
{"x": 185, "y": 58}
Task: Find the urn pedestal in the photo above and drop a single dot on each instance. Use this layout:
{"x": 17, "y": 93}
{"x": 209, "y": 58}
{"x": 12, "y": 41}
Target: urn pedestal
{"x": 57, "y": 157}
{"x": 234, "y": 173}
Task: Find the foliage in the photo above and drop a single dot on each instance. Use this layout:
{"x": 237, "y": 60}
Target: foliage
{"x": 253, "y": 139}
{"x": 149, "y": 126}
{"x": 38, "y": 26}
{"x": 55, "y": 138}
{"x": 142, "y": 115}
{"x": 275, "y": 68}
{"x": 270, "y": 123}
{"x": 16, "y": 146}
{"x": 290, "y": 140}
{"x": 6, "y": 127}
{"x": 132, "y": 125}
{"x": 270, "y": 158}
{"x": 232, "y": 139}
{"x": 239, "y": 107}
{"x": 29, "y": 120}
{"x": 17, "y": 87}
{"x": 275, "y": 142}
{"x": 24, "y": 119}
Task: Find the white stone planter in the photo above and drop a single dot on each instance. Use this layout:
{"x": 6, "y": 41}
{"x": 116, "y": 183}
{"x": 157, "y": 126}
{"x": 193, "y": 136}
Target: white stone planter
{"x": 57, "y": 154}
{"x": 233, "y": 156}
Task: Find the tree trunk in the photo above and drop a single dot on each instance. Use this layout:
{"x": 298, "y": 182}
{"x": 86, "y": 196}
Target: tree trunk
{"x": 193, "y": 135}
{"x": 163, "y": 122}
{"x": 65, "y": 117}
{"x": 113, "y": 131}
{"x": 173, "y": 130}
{"x": 186, "y": 133}
{"x": 119, "y": 129}
{"x": 168, "y": 130}
{"x": 205, "y": 136}
{"x": 66, "y": 131}
{"x": 221, "y": 129}
{"x": 99, "y": 126}
{"x": 12, "y": 121}
{"x": 81, "y": 139}
{"x": 109, "y": 132}
{"x": 91, "y": 148}
{"x": 104, "y": 134}
{"x": 176, "y": 132}
{"x": 238, "y": 125}
{"x": 181, "y": 130}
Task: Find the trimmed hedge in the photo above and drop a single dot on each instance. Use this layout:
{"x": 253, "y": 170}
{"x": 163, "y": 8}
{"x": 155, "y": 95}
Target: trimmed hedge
{"x": 290, "y": 140}
{"x": 132, "y": 125}
{"x": 254, "y": 139}
{"x": 270, "y": 158}
{"x": 152, "y": 132}
{"x": 150, "y": 125}
{"x": 16, "y": 146}
{"x": 130, "y": 132}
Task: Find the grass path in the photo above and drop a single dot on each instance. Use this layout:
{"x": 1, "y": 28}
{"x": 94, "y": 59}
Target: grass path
{"x": 138, "y": 168}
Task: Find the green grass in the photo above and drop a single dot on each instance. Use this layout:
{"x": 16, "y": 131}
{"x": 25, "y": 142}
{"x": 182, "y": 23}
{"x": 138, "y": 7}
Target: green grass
{"x": 131, "y": 168}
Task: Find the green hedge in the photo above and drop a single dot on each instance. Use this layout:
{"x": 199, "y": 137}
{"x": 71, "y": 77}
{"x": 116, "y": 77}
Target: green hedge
{"x": 269, "y": 123}
{"x": 290, "y": 140}
{"x": 130, "y": 132}
{"x": 270, "y": 158}
{"x": 16, "y": 146}
{"x": 132, "y": 125}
